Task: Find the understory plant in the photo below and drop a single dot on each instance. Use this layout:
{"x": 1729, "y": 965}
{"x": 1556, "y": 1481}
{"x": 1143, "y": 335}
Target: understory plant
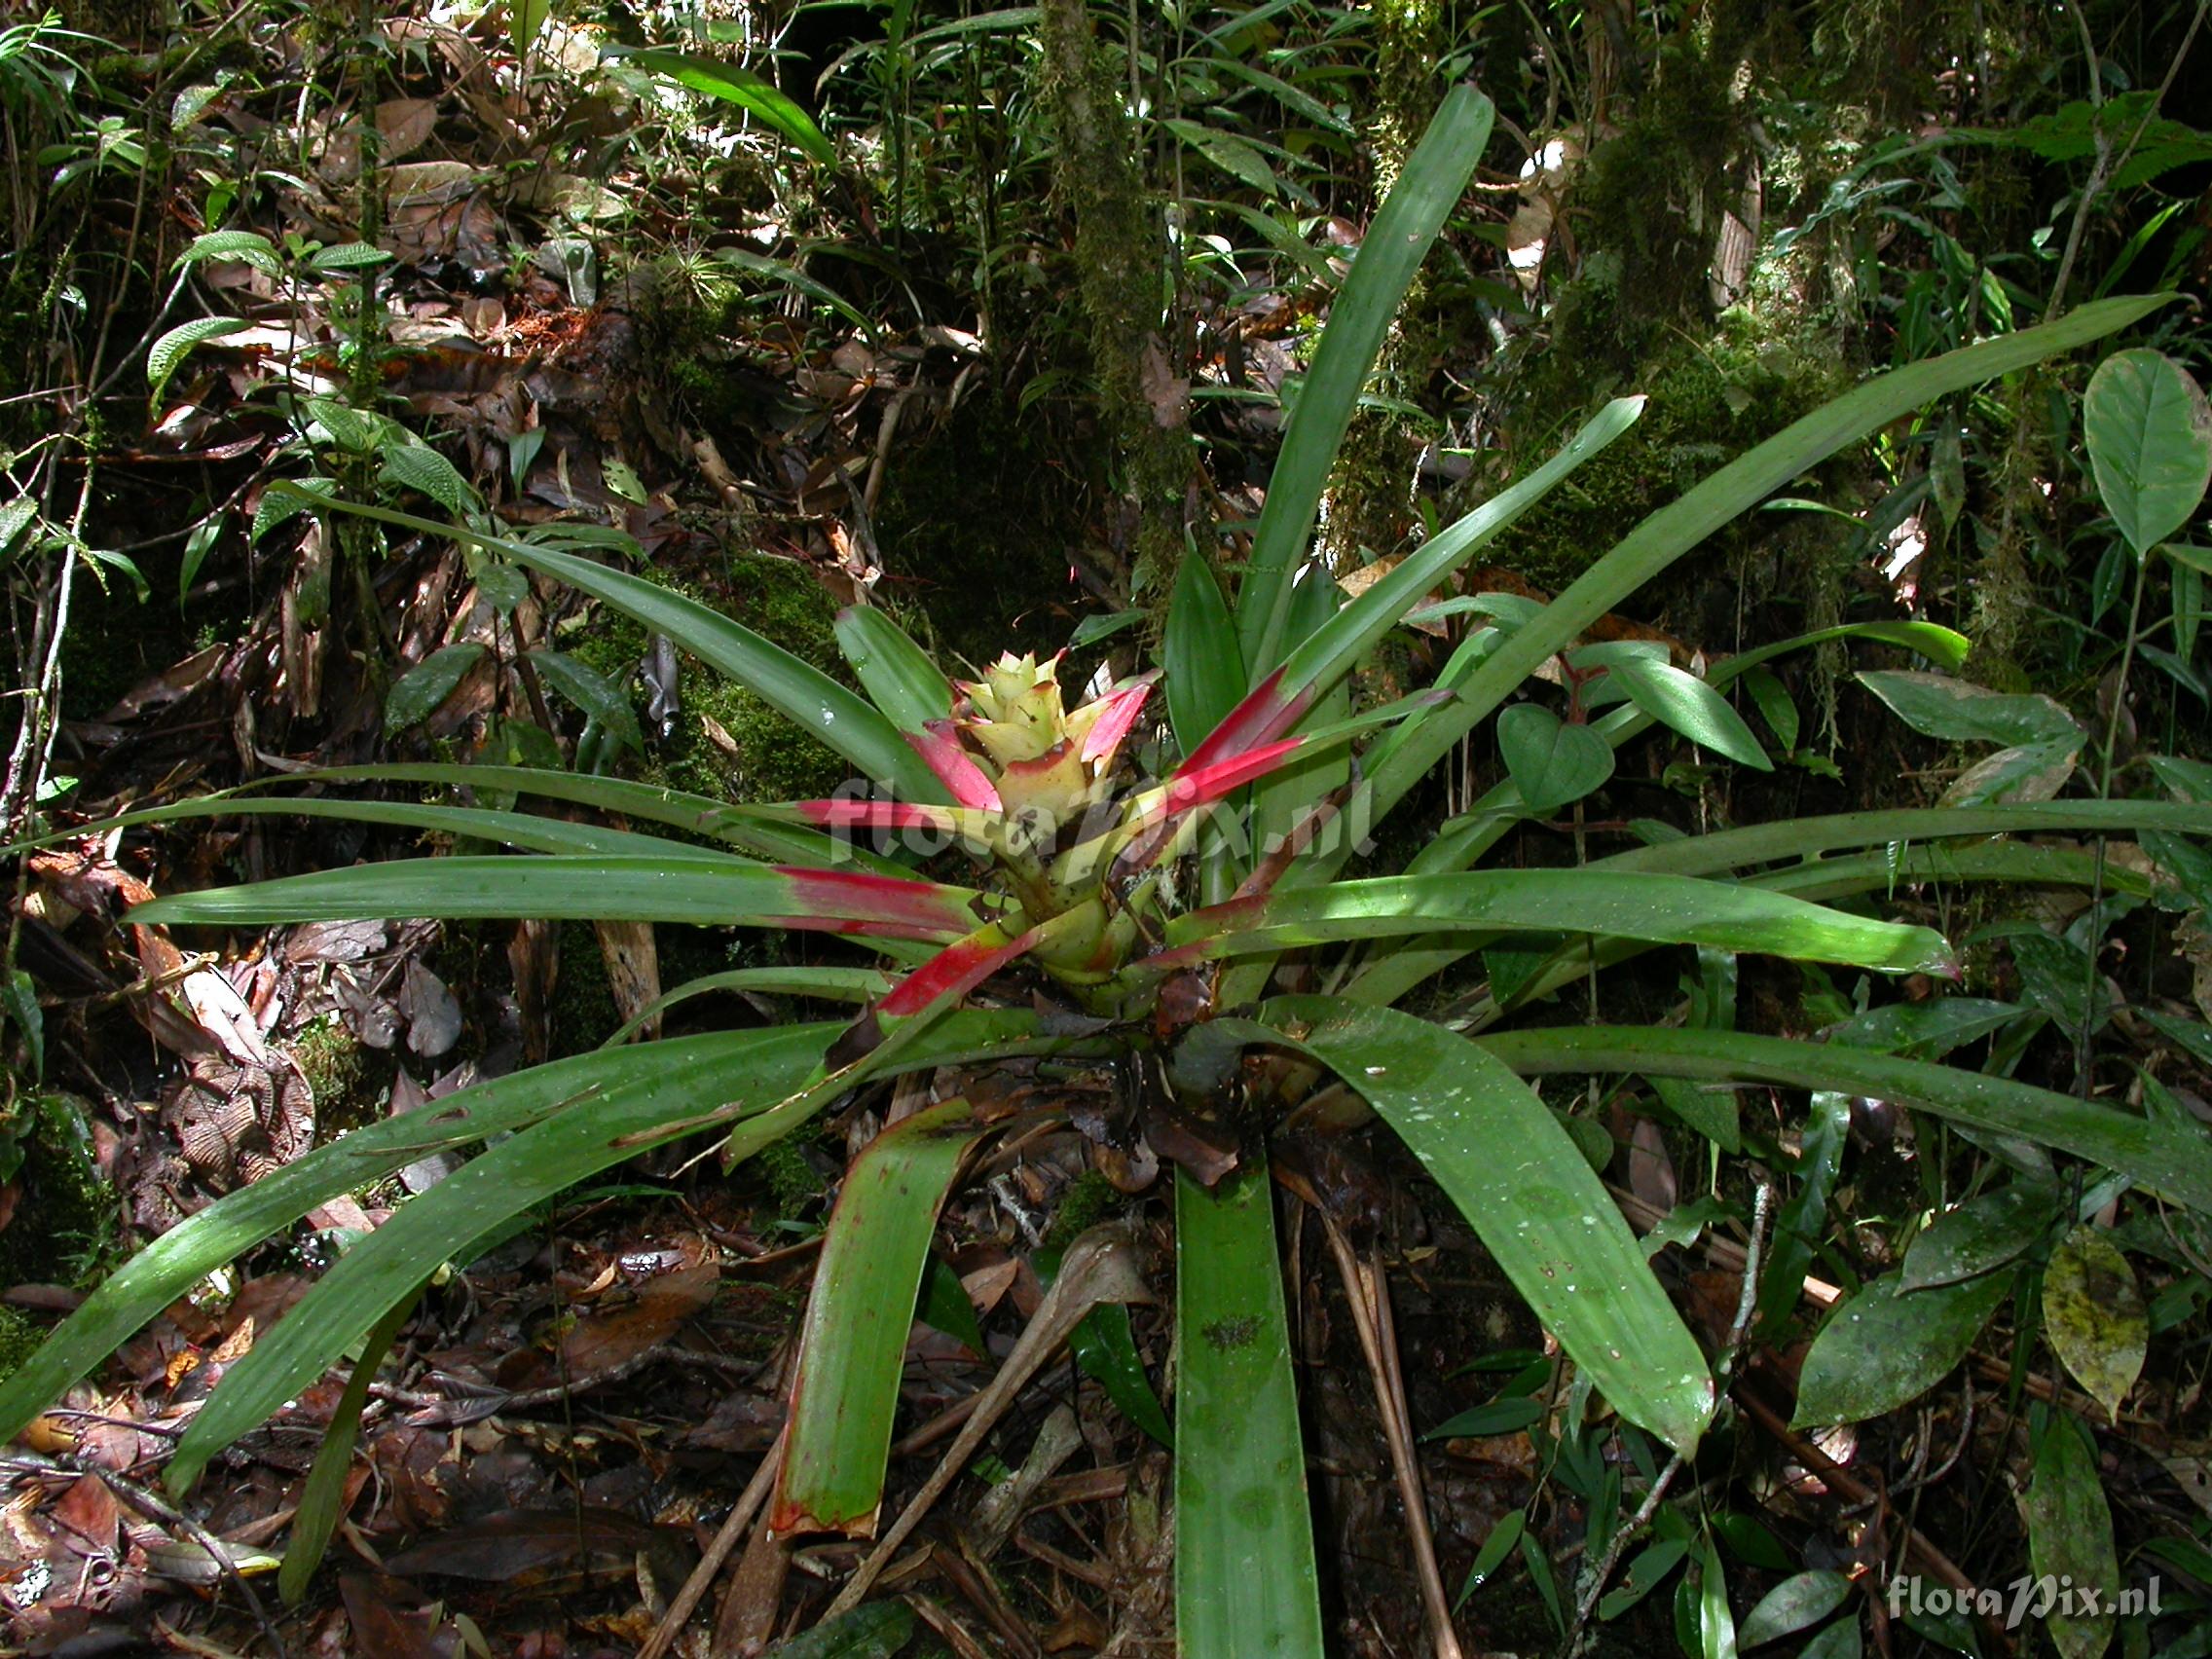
{"x": 1023, "y": 893}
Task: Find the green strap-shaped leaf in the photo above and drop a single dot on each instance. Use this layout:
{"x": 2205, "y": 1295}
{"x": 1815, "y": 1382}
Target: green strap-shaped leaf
{"x": 1426, "y": 191}
{"x": 663, "y": 1091}
{"x": 1204, "y": 664}
{"x": 842, "y": 720}
{"x": 2150, "y": 436}
{"x": 2157, "y": 1156}
{"x": 505, "y": 1180}
{"x": 169, "y": 1267}
{"x": 1660, "y": 909}
{"x": 1331, "y": 650}
{"x": 322, "y": 1496}
{"x": 1245, "y": 1581}
{"x": 562, "y": 887}
{"x": 1515, "y": 1174}
{"x": 731, "y": 85}
{"x": 897, "y": 673}
{"x": 1678, "y": 527}
{"x": 853, "y": 1343}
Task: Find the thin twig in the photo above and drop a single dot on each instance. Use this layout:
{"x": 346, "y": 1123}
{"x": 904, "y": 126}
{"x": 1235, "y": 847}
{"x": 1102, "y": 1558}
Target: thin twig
{"x": 1724, "y": 1363}
{"x": 1370, "y": 1299}
{"x": 719, "y": 1551}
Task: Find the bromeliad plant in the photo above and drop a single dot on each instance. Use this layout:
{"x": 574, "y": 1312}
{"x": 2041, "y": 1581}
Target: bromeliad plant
{"x": 1161, "y": 909}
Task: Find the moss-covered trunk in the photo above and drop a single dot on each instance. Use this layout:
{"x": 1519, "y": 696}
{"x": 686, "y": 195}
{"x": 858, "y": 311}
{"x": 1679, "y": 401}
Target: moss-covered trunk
{"x": 1120, "y": 253}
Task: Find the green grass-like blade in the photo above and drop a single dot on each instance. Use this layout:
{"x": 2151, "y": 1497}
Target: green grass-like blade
{"x": 522, "y": 831}
{"x": 1245, "y": 1581}
{"x": 853, "y": 1343}
{"x": 1681, "y": 525}
{"x": 1518, "y": 1177}
{"x": 897, "y": 673}
{"x": 679, "y": 809}
{"x": 1656, "y": 908}
{"x": 586, "y": 888}
{"x": 810, "y": 699}
{"x": 502, "y": 1182}
{"x": 1396, "y": 242}
{"x": 173, "y": 1263}
{"x": 2153, "y": 1154}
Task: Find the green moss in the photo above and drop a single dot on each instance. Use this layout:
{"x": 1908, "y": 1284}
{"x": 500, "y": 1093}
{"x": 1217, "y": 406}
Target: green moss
{"x": 1089, "y": 1201}
{"x": 793, "y": 1182}
{"x": 65, "y": 1226}
{"x": 349, "y": 1077}
{"x": 19, "y": 1338}
{"x": 1707, "y": 403}
{"x": 768, "y": 758}
{"x": 584, "y": 1012}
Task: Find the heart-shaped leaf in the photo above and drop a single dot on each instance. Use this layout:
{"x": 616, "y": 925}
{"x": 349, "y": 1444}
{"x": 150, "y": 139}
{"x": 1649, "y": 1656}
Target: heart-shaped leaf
{"x": 1551, "y": 762}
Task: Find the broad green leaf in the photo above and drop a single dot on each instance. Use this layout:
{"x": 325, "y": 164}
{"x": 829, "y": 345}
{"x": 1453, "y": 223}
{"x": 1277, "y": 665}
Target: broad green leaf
{"x": 347, "y": 256}
{"x": 2149, "y": 432}
{"x": 877, "y": 1630}
{"x": 1840, "y": 1641}
{"x": 1551, "y": 762}
{"x": 1713, "y": 1114}
{"x": 897, "y": 673}
{"x": 525, "y": 19}
{"x": 1979, "y": 1235}
{"x": 1662, "y": 909}
{"x": 1676, "y": 529}
{"x": 733, "y": 85}
{"x": 1204, "y": 664}
{"x": 1245, "y": 1580}
{"x": 415, "y": 694}
{"x": 168, "y": 1268}
{"x": 1234, "y": 155}
{"x": 1331, "y": 649}
{"x": 646, "y": 1095}
{"x": 244, "y": 247}
{"x": 1936, "y": 706}
{"x": 1774, "y": 702}
{"x": 848, "y": 723}
{"x": 168, "y": 353}
{"x": 599, "y": 698}
{"x": 1717, "y": 1624}
{"x": 1492, "y": 1556}
{"x": 1484, "y": 1136}
{"x": 1645, "y": 1572}
{"x": 2093, "y": 1313}
{"x": 420, "y": 469}
{"x": 587, "y": 888}
{"x": 1925, "y": 1030}
{"x": 853, "y": 1343}
{"x": 1796, "y": 1603}
{"x": 1105, "y": 1346}
{"x": 280, "y": 505}
{"x": 2157, "y": 1156}
{"x": 1427, "y": 189}
{"x": 2070, "y": 1539}
{"x": 1884, "y": 1348}
{"x": 1686, "y": 704}
{"x": 1493, "y": 1416}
